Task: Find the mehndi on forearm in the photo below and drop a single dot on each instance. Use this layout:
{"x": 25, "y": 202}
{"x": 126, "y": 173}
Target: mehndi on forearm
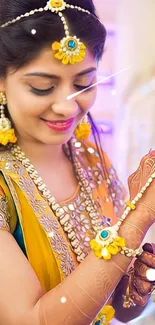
{"x": 88, "y": 289}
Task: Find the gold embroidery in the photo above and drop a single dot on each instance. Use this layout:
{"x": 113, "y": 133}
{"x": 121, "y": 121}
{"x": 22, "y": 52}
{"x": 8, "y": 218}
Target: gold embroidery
{"x": 58, "y": 244}
{"x": 4, "y": 214}
{"x": 92, "y": 178}
{"x": 40, "y": 207}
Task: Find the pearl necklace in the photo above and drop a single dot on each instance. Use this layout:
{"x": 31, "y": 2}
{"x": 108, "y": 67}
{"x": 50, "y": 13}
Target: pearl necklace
{"x": 109, "y": 236}
{"x": 63, "y": 217}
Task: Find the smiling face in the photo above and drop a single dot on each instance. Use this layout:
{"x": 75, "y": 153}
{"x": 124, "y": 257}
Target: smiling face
{"x": 37, "y": 97}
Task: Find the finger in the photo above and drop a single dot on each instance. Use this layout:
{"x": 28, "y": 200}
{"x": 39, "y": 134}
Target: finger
{"x": 140, "y": 270}
{"x": 150, "y": 248}
{"x": 138, "y": 299}
{"x": 148, "y": 259}
{"x": 143, "y": 287}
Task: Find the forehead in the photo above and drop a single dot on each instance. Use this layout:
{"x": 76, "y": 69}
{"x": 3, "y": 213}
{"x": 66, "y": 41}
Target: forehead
{"x": 46, "y": 63}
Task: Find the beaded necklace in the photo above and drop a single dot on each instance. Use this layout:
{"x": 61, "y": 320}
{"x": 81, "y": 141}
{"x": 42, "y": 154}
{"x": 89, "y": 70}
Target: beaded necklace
{"x": 63, "y": 217}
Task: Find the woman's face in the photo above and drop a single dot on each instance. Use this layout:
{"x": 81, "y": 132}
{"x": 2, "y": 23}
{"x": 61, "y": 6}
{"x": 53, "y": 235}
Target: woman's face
{"x": 37, "y": 97}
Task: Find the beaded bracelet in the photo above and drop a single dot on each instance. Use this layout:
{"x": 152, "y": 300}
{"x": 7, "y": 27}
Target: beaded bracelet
{"x": 108, "y": 243}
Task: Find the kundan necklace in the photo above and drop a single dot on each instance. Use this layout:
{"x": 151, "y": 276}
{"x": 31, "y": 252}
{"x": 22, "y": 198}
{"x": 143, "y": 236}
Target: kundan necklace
{"x": 63, "y": 217}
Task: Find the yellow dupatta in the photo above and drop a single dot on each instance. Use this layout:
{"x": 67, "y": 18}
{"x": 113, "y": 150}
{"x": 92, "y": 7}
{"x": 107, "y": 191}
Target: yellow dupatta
{"x": 51, "y": 257}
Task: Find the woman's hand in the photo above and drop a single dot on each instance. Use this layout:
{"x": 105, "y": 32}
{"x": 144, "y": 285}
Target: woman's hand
{"x": 136, "y": 288}
{"x": 142, "y": 278}
{"x": 139, "y": 180}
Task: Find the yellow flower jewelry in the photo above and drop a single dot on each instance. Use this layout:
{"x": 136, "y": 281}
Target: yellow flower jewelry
{"x": 108, "y": 243}
{"x": 7, "y": 137}
{"x": 70, "y": 49}
{"x": 111, "y": 247}
{"x": 105, "y": 316}
{"x": 7, "y": 134}
{"x": 83, "y": 130}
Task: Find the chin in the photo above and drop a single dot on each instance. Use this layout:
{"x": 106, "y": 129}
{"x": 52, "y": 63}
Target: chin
{"x": 56, "y": 139}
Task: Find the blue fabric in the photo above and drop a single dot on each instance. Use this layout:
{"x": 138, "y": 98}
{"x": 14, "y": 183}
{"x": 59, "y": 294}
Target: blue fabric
{"x": 18, "y": 235}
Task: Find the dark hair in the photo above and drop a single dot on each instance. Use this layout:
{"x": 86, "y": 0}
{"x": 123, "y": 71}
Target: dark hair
{"x": 18, "y": 46}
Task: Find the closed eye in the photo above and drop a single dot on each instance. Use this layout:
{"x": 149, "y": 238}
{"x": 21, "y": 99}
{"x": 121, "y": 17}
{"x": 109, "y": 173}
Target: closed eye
{"x": 78, "y": 87}
{"x": 42, "y": 92}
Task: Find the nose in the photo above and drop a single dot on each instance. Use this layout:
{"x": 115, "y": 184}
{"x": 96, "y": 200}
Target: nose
{"x": 66, "y": 108}
{"x": 62, "y": 106}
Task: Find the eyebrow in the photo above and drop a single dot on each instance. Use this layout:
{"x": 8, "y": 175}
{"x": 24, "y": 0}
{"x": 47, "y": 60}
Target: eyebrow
{"x": 52, "y": 76}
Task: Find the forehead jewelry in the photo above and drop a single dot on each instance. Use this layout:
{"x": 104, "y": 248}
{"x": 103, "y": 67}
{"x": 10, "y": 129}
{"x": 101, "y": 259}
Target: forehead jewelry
{"x": 70, "y": 49}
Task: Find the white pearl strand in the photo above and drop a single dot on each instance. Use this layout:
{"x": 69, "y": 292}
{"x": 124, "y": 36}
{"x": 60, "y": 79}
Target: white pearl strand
{"x": 135, "y": 200}
{"x": 48, "y": 7}
{"x": 66, "y": 29}
{"x": 113, "y": 231}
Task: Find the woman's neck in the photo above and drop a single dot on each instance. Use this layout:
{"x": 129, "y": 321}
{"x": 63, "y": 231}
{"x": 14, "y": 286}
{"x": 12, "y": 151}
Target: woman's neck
{"x": 42, "y": 153}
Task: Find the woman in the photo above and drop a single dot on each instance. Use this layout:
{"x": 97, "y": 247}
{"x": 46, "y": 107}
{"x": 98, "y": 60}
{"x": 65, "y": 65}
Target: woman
{"x": 44, "y": 237}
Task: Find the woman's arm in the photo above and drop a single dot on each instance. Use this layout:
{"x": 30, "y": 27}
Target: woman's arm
{"x": 23, "y": 302}
{"x": 138, "y": 283}
{"x": 81, "y": 296}
{"x": 125, "y": 315}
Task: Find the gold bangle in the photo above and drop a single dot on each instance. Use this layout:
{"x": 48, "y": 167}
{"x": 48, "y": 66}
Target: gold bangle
{"x": 131, "y": 224}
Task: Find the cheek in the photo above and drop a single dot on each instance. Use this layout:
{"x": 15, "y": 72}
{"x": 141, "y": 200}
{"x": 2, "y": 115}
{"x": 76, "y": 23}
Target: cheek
{"x": 87, "y": 99}
{"x": 26, "y": 104}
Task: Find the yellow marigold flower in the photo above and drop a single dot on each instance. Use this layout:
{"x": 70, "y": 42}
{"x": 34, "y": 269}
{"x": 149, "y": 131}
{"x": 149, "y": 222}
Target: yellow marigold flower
{"x": 83, "y": 47}
{"x": 66, "y": 59}
{"x": 94, "y": 244}
{"x": 59, "y": 55}
{"x": 97, "y": 248}
{"x": 83, "y": 131}
{"x": 113, "y": 249}
{"x": 56, "y": 46}
{"x": 69, "y": 50}
{"x": 105, "y": 316}
{"x": 72, "y": 59}
{"x": 7, "y": 137}
{"x": 78, "y": 58}
{"x": 120, "y": 241}
{"x": 106, "y": 253}
{"x": 56, "y": 3}
{"x": 83, "y": 53}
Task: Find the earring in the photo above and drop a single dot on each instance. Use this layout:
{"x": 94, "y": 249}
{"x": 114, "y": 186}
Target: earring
{"x": 83, "y": 130}
{"x": 7, "y": 133}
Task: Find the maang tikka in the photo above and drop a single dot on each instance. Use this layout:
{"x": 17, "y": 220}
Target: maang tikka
{"x": 69, "y": 50}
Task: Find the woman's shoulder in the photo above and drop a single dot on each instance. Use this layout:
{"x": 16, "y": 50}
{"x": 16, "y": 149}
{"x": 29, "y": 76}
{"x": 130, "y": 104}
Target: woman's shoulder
{"x": 7, "y": 209}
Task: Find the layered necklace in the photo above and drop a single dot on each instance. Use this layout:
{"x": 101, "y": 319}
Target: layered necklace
{"x": 63, "y": 217}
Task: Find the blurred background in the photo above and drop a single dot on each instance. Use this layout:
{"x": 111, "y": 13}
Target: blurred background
{"x": 125, "y": 106}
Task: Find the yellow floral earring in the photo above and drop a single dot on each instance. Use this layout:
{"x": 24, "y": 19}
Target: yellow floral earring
{"x": 83, "y": 131}
{"x": 7, "y": 133}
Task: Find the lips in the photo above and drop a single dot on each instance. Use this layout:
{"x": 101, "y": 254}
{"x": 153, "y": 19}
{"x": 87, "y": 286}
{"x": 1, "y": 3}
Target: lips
{"x": 59, "y": 125}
